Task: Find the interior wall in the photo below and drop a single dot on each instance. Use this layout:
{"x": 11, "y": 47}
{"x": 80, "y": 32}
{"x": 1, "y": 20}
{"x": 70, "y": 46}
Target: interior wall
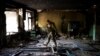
{"x": 2, "y": 25}
{"x": 56, "y": 17}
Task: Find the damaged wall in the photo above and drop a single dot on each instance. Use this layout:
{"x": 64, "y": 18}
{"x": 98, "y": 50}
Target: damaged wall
{"x": 56, "y": 17}
{"x": 2, "y": 25}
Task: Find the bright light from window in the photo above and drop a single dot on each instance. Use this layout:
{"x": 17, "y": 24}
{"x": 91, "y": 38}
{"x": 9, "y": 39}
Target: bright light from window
{"x": 11, "y": 22}
{"x": 29, "y": 24}
{"x": 21, "y": 11}
{"x": 27, "y": 21}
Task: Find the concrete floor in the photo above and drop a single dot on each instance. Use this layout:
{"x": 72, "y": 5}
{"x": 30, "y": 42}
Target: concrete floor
{"x": 72, "y": 47}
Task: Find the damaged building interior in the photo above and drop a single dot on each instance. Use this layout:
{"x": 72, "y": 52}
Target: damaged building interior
{"x": 49, "y": 28}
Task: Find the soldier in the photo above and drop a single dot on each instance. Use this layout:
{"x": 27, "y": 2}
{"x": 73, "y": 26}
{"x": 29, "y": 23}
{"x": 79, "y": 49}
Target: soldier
{"x": 52, "y": 31}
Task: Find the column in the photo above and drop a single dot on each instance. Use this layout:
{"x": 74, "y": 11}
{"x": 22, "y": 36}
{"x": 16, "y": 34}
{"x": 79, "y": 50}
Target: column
{"x": 94, "y": 24}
